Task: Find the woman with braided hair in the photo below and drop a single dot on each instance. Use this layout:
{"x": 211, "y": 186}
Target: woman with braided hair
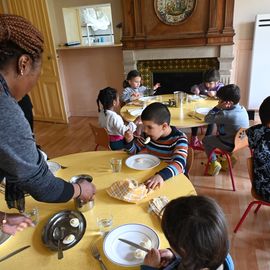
{"x": 21, "y": 163}
{"x": 110, "y": 120}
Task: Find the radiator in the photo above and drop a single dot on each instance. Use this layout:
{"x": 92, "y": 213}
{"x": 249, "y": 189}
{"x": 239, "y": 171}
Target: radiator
{"x": 260, "y": 63}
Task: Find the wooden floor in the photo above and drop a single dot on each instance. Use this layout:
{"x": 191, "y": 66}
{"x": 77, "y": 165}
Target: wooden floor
{"x": 250, "y": 247}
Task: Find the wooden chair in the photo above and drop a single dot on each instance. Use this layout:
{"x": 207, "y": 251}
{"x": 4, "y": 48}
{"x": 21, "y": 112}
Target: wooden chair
{"x": 257, "y": 199}
{"x": 101, "y": 137}
{"x": 240, "y": 141}
{"x": 190, "y": 159}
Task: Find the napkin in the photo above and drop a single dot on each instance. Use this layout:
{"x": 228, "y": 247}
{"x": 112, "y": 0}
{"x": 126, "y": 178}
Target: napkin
{"x": 157, "y": 205}
{"x": 128, "y": 190}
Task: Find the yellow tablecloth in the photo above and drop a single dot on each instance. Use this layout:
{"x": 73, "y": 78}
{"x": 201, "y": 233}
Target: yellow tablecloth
{"x": 180, "y": 117}
{"x": 97, "y": 164}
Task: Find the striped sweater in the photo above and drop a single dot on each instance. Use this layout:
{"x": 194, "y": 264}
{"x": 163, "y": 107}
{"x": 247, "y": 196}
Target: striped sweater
{"x": 172, "y": 149}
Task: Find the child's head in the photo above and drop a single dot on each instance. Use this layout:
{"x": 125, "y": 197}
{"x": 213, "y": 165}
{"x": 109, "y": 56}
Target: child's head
{"x": 156, "y": 120}
{"x": 108, "y": 98}
{"x": 230, "y": 93}
{"x": 196, "y": 229}
{"x": 264, "y": 112}
{"x": 133, "y": 79}
{"x": 210, "y": 78}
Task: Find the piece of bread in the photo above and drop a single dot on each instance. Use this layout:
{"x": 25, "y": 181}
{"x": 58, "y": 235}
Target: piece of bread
{"x": 157, "y": 205}
{"x": 128, "y": 190}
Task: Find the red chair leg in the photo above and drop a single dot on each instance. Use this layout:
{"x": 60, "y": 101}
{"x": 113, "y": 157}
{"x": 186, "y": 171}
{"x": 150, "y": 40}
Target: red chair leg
{"x": 96, "y": 147}
{"x": 230, "y": 169}
{"x": 257, "y": 208}
{"x": 245, "y": 215}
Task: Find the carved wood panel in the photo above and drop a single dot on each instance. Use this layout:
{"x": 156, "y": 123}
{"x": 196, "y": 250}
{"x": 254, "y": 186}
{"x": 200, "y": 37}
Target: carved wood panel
{"x": 211, "y": 23}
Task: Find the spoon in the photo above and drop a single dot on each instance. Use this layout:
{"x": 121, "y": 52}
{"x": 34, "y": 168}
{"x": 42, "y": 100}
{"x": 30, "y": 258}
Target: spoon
{"x": 146, "y": 140}
{"x": 58, "y": 235}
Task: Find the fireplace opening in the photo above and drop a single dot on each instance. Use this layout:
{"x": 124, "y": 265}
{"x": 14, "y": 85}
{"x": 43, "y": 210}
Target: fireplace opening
{"x": 174, "y": 74}
{"x": 176, "y": 81}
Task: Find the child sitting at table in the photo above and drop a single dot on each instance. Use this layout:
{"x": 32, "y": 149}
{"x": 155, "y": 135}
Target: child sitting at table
{"x": 110, "y": 120}
{"x": 259, "y": 142}
{"x": 167, "y": 142}
{"x": 208, "y": 87}
{"x": 196, "y": 230}
{"x": 229, "y": 116}
{"x": 132, "y": 87}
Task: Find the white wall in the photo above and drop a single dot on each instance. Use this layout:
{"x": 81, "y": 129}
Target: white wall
{"x": 244, "y": 19}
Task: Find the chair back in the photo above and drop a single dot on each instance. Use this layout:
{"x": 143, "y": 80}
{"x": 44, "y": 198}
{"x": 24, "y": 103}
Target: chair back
{"x": 190, "y": 159}
{"x": 240, "y": 139}
{"x": 101, "y": 136}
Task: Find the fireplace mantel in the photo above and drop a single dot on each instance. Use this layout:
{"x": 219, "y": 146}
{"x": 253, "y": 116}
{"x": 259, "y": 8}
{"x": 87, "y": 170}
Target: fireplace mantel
{"x": 211, "y": 23}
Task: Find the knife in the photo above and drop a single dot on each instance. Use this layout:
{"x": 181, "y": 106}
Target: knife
{"x": 14, "y": 253}
{"x": 134, "y": 244}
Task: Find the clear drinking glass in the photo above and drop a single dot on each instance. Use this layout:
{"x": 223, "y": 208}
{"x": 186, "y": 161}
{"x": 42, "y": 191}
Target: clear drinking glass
{"x": 104, "y": 222}
{"x": 33, "y": 214}
{"x": 116, "y": 164}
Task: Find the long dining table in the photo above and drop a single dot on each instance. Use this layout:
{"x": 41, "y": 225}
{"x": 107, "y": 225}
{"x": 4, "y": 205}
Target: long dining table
{"x": 182, "y": 117}
{"x": 96, "y": 164}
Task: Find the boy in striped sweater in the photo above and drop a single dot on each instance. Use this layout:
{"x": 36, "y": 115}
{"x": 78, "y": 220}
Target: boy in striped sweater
{"x": 167, "y": 143}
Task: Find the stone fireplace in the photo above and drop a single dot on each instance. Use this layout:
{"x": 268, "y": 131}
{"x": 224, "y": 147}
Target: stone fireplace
{"x": 185, "y": 65}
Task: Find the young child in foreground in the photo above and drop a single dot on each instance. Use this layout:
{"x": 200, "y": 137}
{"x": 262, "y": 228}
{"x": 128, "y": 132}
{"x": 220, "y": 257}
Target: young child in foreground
{"x": 229, "y": 116}
{"x": 196, "y": 230}
{"x": 132, "y": 87}
{"x": 110, "y": 120}
{"x": 208, "y": 87}
{"x": 167, "y": 142}
{"x": 259, "y": 142}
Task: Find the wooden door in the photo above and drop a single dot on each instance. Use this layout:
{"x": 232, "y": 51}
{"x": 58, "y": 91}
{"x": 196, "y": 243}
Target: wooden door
{"x": 46, "y": 96}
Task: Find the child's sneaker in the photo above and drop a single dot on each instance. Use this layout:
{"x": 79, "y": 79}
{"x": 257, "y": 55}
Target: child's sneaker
{"x": 214, "y": 168}
{"x": 195, "y": 143}
{"x": 225, "y": 164}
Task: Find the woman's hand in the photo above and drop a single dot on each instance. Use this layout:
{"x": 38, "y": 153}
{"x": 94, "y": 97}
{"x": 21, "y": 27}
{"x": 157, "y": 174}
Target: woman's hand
{"x": 15, "y": 222}
{"x": 88, "y": 191}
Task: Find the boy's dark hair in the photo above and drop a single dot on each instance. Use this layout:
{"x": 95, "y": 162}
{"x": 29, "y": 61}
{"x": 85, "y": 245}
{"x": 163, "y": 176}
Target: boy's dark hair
{"x": 230, "y": 92}
{"x": 211, "y": 75}
{"x": 106, "y": 97}
{"x": 264, "y": 111}
{"x": 196, "y": 229}
{"x": 156, "y": 112}
{"x": 132, "y": 74}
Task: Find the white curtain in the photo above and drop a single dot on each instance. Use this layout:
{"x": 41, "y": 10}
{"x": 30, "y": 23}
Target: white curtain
{"x": 97, "y": 19}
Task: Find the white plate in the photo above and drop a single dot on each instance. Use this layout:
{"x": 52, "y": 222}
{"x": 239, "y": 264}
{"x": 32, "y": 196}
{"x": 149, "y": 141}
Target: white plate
{"x": 135, "y": 112}
{"x": 3, "y": 237}
{"x": 203, "y": 111}
{"x": 194, "y": 97}
{"x": 53, "y": 166}
{"x": 147, "y": 98}
{"x": 123, "y": 254}
{"x": 142, "y": 162}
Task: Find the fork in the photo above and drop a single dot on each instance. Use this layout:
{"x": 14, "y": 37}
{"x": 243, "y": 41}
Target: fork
{"x": 95, "y": 253}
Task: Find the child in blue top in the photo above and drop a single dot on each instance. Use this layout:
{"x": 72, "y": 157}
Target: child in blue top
{"x": 208, "y": 87}
{"x": 196, "y": 230}
{"x": 259, "y": 142}
{"x": 229, "y": 116}
{"x": 132, "y": 87}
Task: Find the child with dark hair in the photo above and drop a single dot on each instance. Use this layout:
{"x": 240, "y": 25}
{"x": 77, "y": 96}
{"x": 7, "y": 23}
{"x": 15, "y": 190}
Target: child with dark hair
{"x": 259, "y": 142}
{"x": 167, "y": 142}
{"x": 196, "y": 230}
{"x": 229, "y": 116}
{"x": 209, "y": 87}
{"x": 132, "y": 87}
{"x": 110, "y": 120}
